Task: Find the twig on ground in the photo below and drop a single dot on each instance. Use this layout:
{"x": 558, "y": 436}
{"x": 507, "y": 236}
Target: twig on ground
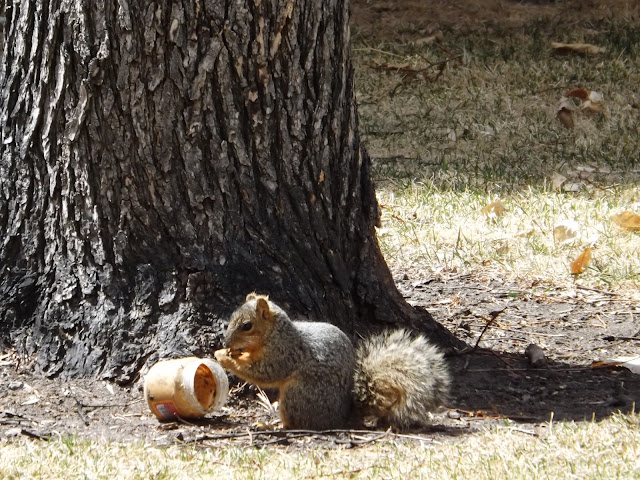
{"x": 603, "y": 292}
{"x": 366, "y": 436}
{"x": 111, "y": 405}
{"x": 613, "y": 338}
{"x": 9, "y": 421}
{"x": 492, "y": 318}
{"x": 522, "y": 430}
{"x": 29, "y": 433}
{"x": 9, "y": 413}
{"x": 79, "y": 409}
{"x": 364, "y": 441}
{"x": 408, "y": 69}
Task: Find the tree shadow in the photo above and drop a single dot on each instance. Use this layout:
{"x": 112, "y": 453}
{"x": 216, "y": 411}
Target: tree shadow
{"x": 499, "y": 384}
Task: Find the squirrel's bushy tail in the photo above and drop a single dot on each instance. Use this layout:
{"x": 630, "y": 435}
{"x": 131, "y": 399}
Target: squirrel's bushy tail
{"x": 399, "y": 379}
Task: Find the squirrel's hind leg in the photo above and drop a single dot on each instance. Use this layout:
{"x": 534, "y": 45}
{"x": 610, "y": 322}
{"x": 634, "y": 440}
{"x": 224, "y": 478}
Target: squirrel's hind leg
{"x": 305, "y": 407}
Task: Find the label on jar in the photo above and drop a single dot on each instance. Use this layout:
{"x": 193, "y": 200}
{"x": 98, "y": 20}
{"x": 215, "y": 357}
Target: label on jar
{"x": 166, "y": 410}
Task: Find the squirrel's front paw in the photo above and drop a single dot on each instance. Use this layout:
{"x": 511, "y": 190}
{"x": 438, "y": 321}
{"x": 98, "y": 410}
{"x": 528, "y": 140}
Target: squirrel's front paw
{"x": 223, "y": 357}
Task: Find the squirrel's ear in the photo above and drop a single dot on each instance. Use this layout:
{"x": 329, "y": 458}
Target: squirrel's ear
{"x": 263, "y": 311}
{"x": 251, "y": 296}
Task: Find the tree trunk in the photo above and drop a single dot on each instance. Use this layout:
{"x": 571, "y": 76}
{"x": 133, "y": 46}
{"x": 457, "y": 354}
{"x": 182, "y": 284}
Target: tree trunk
{"x": 160, "y": 160}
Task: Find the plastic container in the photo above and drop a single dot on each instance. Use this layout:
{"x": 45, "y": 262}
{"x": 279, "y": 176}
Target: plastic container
{"x": 185, "y": 388}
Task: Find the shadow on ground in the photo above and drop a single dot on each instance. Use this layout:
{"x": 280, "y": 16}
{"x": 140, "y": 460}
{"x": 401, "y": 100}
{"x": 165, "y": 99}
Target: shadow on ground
{"x": 492, "y": 383}
{"x": 504, "y": 385}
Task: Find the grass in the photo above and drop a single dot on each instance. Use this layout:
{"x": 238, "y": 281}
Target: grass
{"x": 604, "y": 450}
{"x": 445, "y": 230}
{"x": 486, "y": 129}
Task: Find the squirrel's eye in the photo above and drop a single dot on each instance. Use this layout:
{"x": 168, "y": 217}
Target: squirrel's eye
{"x": 247, "y": 326}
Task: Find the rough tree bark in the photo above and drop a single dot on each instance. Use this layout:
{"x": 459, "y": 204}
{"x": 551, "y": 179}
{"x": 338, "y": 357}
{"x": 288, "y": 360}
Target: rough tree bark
{"x": 159, "y": 160}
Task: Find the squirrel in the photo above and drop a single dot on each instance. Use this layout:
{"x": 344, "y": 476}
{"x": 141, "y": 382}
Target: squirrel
{"x": 323, "y": 381}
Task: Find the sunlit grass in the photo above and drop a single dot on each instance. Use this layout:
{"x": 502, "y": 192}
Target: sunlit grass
{"x": 603, "y": 450}
{"x": 486, "y": 129}
{"x": 447, "y": 231}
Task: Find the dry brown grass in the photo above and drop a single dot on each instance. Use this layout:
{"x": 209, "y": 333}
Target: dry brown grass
{"x": 403, "y": 21}
{"x": 605, "y": 450}
{"x": 446, "y": 144}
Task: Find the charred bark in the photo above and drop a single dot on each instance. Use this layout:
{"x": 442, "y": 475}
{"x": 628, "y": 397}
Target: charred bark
{"x": 159, "y": 160}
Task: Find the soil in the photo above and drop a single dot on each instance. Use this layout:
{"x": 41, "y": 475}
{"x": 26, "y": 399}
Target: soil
{"x": 574, "y": 327}
{"x": 493, "y": 381}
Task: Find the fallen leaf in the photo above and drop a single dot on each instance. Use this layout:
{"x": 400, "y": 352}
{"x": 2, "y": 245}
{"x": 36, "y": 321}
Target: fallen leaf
{"x": 596, "y": 97}
{"x": 32, "y": 399}
{"x": 503, "y": 249}
{"x": 581, "y": 263}
{"x": 594, "y": 103}
{"x": 628, "y": 220}
{"x": 557, "y": 180}
{"x": 566, "y": 117}
{"x": 494, "y": 209}
{"x": 572, "y": 187}
{"x": 565, "y": 112}
{"x": 525, "y": 233}
{"x": 436, "y": 37}
{"x": 566, "y": 231}
{"x": 581, "y": 93}
{"x": 109, "y": 388}
{"x": 590, "y": 101}
{"x": 585, "y": 168}
{"x": 579, "y": 48}
{"x": 630, "y": 363}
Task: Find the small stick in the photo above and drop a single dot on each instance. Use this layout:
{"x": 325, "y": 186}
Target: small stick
{"x": 81, "y": 412}
{"x": 612, "y": 338}
{"x": 17, "y": 415}
{"x": 493, "y": 315}
{"x": 364, "y": 441}
{"x": 603, "y": 292}
{"x": 31, "y": 434}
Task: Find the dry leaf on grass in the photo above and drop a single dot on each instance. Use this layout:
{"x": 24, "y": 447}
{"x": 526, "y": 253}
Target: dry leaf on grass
{"x": 494, "y": 209}
{"x": 503, "y": 249}
{"x": 565, "y": 116}
{"x": 557, "y": 180}
{"x": 579, "y": 48}
{"x": 581, "y": 263}
{"x": 572, "y": 187}
{"x": 436, "y": 37}
{"x": 565, "y": 112}
{"x": 566, "y": 231}
{"x": 590, "y": 101}
{"x": 630, "y": 363}
{"x": 594, "y": 103}
{"x": 628, "y": 220}
{"x": 581, "y": 93}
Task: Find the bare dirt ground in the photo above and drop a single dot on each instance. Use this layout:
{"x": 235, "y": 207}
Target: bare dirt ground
{"x": 492, "y": 384}
{"x": 573, "y": 326}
